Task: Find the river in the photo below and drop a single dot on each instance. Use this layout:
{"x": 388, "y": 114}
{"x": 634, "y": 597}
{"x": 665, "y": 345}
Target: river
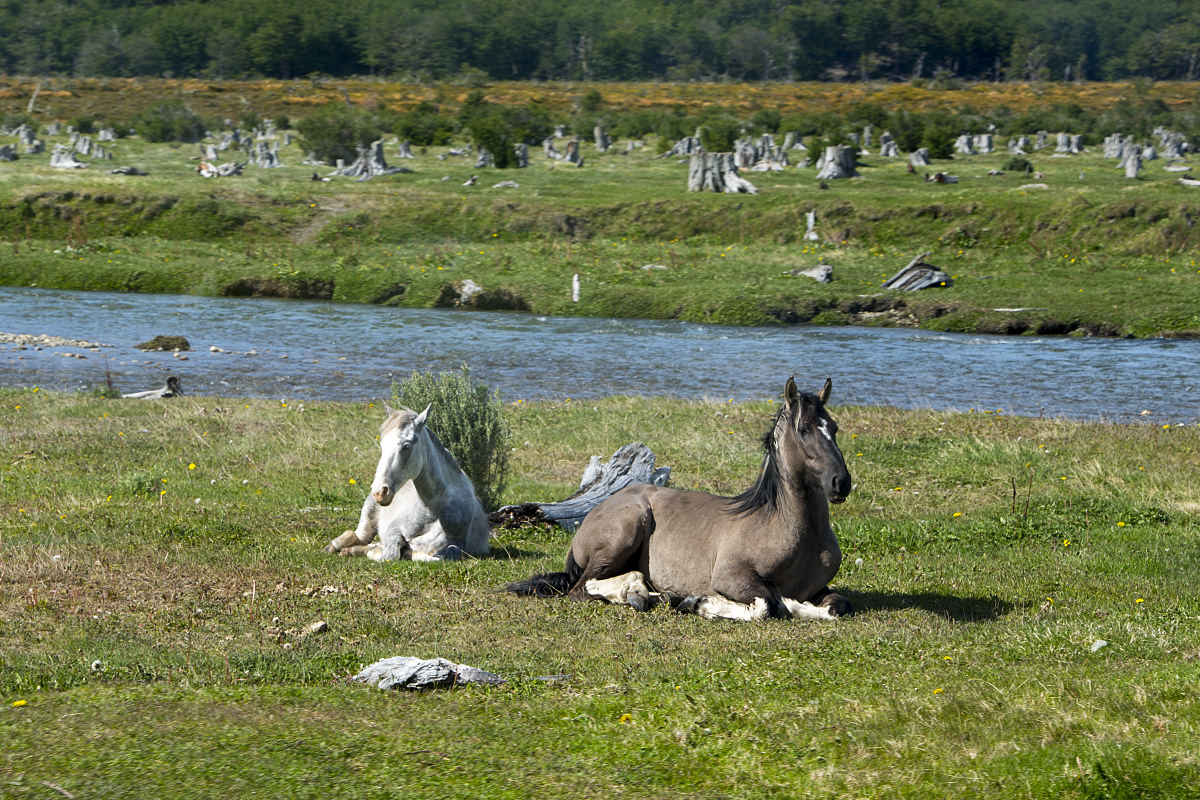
{"x": 301, "y": 350}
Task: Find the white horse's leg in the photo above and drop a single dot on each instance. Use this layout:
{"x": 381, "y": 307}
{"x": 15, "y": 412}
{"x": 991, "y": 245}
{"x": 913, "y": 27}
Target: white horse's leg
{"x": 351, "y": 541}
{"x": 802, "y": 609}
{"x": 628, "y": 589}
{"x": 717, "y": 607}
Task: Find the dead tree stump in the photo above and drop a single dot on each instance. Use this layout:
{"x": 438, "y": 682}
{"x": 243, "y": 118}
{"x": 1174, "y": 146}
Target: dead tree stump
{"x": 717, "y": 172}
{"x": 837, "y": 162}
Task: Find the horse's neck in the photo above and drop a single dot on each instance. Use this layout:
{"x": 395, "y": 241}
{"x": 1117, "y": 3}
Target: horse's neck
{"x": 804, "y": 510}
{"x": 436, "y": 471}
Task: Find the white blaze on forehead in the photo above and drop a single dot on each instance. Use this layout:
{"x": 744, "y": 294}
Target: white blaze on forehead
{"x": 823, "y": 427}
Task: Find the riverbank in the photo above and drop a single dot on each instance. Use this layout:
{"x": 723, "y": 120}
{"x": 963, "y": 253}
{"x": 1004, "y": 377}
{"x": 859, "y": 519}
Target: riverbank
{"x": 1024, "y": 590}
{"x": 1081, "y": 251}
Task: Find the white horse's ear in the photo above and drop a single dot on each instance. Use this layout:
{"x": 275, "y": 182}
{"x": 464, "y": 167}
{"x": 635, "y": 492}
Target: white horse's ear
{"x": 388, "y": 409}
{"x": 790, "y": 393}
{"x": 424, "y": 415}
{"x": 825, "y": 391}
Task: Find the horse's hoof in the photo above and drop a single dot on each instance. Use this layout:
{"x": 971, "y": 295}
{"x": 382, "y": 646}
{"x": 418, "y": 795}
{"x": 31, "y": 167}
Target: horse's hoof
{"x": 689, "y": 604}
{"x": 450, "y": 552}
{"x": 639, "y": 601}
{"x": 837, "y": 606}
{"x": 331, "y": 548}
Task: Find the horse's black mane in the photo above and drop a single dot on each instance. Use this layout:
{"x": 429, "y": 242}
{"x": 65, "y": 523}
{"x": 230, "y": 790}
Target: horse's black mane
{"x": 765, "y": 491}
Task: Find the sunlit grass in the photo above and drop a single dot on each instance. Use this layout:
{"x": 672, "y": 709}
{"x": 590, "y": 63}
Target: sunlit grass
{"x": 152, "y": 611}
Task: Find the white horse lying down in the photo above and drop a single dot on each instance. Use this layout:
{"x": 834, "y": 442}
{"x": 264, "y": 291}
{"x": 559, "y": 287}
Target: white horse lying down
{"x": 422, "y": 505}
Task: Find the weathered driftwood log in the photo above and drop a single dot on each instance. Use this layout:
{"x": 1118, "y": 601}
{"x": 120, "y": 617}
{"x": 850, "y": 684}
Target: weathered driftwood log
{"x": 821, "y": 273}
{"x": 717, "y": 172}
{"x": 208, "y": 169}
{"x": 982, "y": 142}
{"x": 128, "y": 171}
{"x": 965, "y": 145}
{"x": 172, "y": 388}
{"x": 837, "y": 162}
{"x": 918, "y": 275}
{"x": 941, "y": 177}
{"x": 633, "y": 463}
{"x": 919, "y": 158}
{"x": 1189, "y": 182}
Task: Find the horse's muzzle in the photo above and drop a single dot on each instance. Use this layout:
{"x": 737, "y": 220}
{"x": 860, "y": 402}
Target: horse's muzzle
{"x": 383, "y": 495}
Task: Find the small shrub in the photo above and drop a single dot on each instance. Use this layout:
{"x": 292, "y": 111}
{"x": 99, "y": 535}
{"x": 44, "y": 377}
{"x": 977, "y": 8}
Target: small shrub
{"x": 339, "y": 131}
{"x": 171, "y": 121}
{"x": 467, "y": 417}
{"x": 1018, "y": 164}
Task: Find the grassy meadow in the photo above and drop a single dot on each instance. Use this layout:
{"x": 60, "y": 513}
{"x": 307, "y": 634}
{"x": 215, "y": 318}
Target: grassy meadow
{"x": 159, "y": 563}
{"x": 1080, "y": 250}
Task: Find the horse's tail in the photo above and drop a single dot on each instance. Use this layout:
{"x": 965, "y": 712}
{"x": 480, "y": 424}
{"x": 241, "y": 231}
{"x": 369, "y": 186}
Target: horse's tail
{"x": 548, "y": 584}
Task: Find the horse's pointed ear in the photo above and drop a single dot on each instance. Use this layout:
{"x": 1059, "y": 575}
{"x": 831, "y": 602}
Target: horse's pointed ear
{"x": 424, "y": 415}
{"x": 825, "y": 391}
{"x": 791, "y": 394}
{"x": 388, "y": 409}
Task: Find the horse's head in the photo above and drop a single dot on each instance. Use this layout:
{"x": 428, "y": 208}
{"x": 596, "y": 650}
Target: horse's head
{"x": 815, "y": 453}
{"x": 401, "y": 457}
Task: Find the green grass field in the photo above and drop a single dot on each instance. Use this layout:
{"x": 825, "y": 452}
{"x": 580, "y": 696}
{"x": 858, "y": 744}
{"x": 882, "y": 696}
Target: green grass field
{"x": 159, "y": 562}
{"x": 1092, "y": 253}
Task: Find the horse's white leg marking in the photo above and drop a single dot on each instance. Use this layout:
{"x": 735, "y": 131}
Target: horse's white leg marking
{"x": 628, "y": 589}
{"x": 717, "y": 607}
{"x": 802, "y": 609}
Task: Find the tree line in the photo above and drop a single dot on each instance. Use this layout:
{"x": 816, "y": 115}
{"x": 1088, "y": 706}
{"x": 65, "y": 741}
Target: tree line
{"x": 675, "y": 40}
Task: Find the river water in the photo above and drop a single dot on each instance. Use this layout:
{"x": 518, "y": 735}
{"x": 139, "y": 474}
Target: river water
{"x": 318, "y": 350}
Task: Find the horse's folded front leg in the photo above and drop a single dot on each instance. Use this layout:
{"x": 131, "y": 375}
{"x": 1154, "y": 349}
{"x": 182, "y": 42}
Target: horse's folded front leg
{"x": 344, "y": 543}
{"x": 717, "y": 607}
{"x": 628, "y": 589}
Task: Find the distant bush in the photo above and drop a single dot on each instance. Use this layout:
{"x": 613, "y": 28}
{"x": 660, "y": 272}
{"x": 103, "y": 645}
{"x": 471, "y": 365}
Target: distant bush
{"x": 718, "y": 132}
{"x": 169, "y": 121}
{"x": 467, "y": 418}
{"x": 1018, "y": 164}
{"x": 424, "y": 126}
{"x": 498, "y": 128}
{"x": 339, "y": 131}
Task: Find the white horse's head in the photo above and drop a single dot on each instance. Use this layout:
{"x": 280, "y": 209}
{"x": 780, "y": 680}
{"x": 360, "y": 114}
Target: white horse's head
{"x": 402, "y": 455}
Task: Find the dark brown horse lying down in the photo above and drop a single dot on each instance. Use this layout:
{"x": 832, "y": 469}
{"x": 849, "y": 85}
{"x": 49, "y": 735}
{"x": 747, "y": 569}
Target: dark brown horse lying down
{"x": 769, "y": 551}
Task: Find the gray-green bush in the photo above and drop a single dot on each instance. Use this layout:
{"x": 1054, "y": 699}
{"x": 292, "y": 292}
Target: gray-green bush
{"x": 467, "y": 417}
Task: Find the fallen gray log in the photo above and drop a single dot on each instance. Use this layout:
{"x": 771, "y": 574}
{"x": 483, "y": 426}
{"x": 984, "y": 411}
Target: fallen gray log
{"x": 128, "y": 171}
{"x": 821, "y": 273}
{"x": 633, "y": 463}
{"x": 406, "y": 672}
{"x": 918, "y": 275}
{"x": 171, "y": 388}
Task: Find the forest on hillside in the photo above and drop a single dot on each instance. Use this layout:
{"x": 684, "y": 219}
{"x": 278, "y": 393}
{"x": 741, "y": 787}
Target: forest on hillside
{"x": 674, "y": 40}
